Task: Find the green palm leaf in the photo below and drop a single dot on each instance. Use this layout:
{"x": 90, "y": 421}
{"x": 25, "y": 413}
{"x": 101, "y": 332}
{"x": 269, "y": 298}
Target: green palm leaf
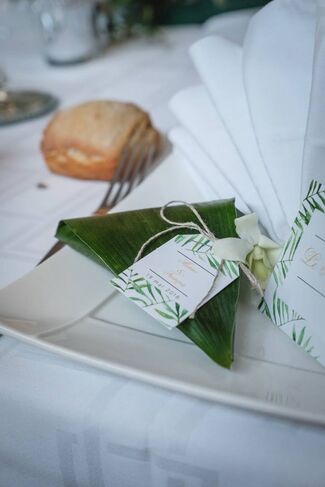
{"x": 113, "y": 241}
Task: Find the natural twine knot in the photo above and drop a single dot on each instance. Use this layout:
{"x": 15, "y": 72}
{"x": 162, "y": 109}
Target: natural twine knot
{"x": 203, "y": 229}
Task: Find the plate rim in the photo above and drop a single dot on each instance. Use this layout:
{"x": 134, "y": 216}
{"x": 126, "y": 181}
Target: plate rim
{"x": 252, "y": 405}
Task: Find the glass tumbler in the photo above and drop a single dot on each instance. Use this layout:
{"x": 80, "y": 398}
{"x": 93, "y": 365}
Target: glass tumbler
{"x": 70, "y": 29}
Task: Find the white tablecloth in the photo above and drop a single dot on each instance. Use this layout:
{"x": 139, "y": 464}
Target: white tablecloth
{"x": 63, "y": 424}
{"x": 147, "y": 72}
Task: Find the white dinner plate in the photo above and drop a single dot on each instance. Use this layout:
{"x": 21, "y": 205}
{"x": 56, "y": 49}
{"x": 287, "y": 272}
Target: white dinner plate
{"x": 68, "y": 306}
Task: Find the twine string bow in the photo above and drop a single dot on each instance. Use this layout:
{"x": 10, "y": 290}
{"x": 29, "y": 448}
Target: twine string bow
{"x": 204, "y": 230}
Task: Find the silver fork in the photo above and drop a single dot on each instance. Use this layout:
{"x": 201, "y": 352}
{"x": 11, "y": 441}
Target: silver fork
{"x": 131, "y": 170}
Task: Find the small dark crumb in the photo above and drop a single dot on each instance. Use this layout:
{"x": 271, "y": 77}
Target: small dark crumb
{"x": 42, "y": 185}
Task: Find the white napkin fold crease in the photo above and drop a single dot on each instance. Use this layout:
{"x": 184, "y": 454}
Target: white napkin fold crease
{"x": 277, "y": 69}
{"x": 314, "y": 149}
{"x": 195, "y": 111}
{"x": 230, "y": 25}
{"x": 219, "y": 63}
{"x": 205, "y": 172}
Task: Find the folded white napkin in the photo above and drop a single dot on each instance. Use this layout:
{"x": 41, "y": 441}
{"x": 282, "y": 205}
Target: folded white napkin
{"x": 277, "y": 69}
{"x": 259, "y": 117}
{"x": 206, "y": 191}
{"x": 196, "y": 112}
{"x": 230, "y": 25}
{"x": 219, "y": 63}
{"x": 205, "y": 172}
{"x": 314, "y": 151}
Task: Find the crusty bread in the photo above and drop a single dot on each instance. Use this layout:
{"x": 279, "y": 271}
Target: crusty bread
{"x": 87, "y": 141}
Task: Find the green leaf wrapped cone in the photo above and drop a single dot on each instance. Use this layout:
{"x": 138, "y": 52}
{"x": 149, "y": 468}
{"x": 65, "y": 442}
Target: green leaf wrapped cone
{"x": 114, "y": 240}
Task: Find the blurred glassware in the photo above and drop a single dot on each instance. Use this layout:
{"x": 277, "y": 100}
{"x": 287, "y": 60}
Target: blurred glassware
{"x": 74, "y": 30}
{"x": 18, "y": 105}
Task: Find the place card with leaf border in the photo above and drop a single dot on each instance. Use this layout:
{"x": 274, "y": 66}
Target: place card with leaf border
{"x": 176, "y": 278}
{"x": 294, "y": 298}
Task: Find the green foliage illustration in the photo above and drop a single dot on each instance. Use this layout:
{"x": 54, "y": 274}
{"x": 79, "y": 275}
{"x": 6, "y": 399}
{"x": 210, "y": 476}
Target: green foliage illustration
{"x": 142, "y": 292}
{"x": 280, "y": 313}
{"x": 201, "y": 247}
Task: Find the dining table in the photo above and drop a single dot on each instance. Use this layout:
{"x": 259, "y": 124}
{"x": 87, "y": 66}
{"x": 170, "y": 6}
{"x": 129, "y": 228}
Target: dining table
{"x": 66, "y": 423}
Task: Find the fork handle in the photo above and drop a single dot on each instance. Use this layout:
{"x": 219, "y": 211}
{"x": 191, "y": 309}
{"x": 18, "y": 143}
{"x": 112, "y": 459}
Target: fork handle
{"x": 101, "y": 211}
{"x": 59, "y": 245}
{"x": 53, "y": 250}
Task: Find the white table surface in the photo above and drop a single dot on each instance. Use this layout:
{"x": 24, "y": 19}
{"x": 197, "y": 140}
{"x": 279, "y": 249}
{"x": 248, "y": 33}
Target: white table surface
{"x": 63, "y": 424}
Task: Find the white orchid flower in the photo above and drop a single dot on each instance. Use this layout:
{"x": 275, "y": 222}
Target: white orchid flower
{"x": 257, "y": 251}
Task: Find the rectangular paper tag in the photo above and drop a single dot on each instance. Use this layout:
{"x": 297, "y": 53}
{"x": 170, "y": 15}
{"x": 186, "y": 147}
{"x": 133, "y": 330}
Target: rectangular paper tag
{"x": 170, "y": 282}
{"x": 295, "y": 296}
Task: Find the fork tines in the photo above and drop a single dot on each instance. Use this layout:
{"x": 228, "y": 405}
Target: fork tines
{"x": 133, "y": 167}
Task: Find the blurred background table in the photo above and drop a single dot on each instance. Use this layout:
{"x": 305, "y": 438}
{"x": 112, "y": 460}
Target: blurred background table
{"x": 32, "y": 200}
{"x": 146, "y": 71}
{"x": 63, "y": 424}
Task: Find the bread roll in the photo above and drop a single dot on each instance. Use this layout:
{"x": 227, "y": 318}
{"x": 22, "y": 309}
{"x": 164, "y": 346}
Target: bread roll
{"x": 88, "y": 141}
